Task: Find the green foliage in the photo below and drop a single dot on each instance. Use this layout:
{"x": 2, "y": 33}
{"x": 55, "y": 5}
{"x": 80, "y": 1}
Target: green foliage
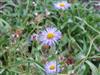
{"x": 80, "y": 27}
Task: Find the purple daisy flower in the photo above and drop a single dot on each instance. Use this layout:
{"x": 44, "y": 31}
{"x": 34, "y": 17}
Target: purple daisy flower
{"x": 52, "y": 67}
{"x": 62, "y": 5}
{"x": 49, "y": 36}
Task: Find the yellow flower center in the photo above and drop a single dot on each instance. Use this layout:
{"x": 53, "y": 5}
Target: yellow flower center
{"x": 62, "y": 4}
{"x": 50, "y": 35}
{"x": 52, "y": 67}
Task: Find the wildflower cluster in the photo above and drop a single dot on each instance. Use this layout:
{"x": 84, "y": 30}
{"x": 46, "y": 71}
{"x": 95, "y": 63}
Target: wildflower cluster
{"x": 49, "y": 37}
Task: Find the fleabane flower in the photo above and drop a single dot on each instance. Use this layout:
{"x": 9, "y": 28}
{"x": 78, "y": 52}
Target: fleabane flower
{"x": 62, "y": 5}
{"x": 52, "y": 67}
{"x": 50, "y": 36}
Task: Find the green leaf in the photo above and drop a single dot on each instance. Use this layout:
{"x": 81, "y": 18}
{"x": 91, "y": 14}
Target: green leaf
{"x": 93, "y": 68}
